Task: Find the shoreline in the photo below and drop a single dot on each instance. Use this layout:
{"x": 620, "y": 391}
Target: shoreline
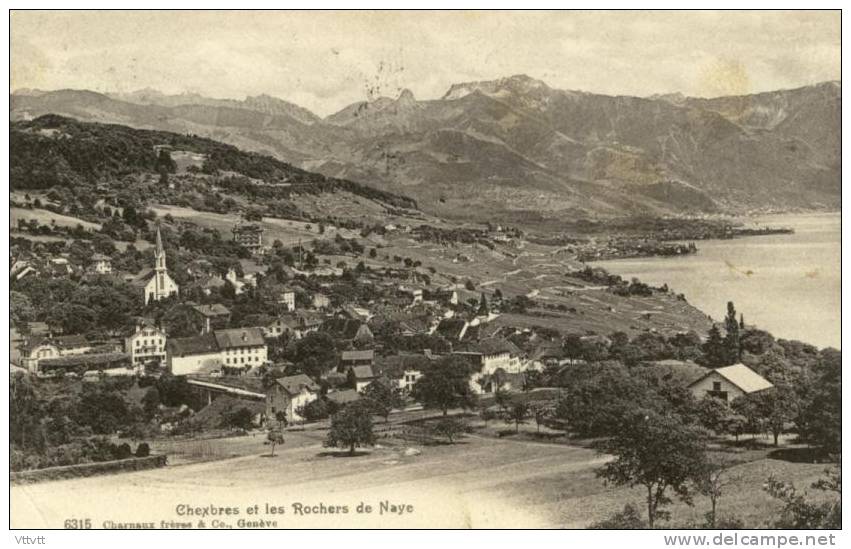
{"x": 751, "y": 278}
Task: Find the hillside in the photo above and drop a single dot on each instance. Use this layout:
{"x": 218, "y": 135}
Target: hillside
{"x": 522, "y": 150}
{"x": 54, "y": 151}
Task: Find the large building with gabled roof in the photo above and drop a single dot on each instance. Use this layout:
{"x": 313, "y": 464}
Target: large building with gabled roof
{"x": 235, "y": 350}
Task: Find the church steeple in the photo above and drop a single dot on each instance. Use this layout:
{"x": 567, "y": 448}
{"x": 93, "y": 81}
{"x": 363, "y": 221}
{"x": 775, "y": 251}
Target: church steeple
{"x": 159, "y": 253}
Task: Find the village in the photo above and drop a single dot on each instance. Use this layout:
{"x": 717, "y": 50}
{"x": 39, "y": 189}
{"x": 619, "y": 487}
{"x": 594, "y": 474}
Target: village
{"x": 220, "y": 319}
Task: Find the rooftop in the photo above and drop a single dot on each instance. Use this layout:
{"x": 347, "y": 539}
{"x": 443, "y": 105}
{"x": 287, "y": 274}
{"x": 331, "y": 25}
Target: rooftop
{"x": 294, "y": 384}
{"x": 742, "y": 377}
{"x": 214, "y": 309}
{"x": 367, "y": 354}
{"x": 239, "y": 337}
{"x": 343, "y": 397}
{"x": 195, "y": 345}
{"x": 363, "y": 372}
{"x": 491, "y": 346}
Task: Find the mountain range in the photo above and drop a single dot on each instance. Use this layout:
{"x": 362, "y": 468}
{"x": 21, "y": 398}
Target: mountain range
{"x": 518, "y": 150}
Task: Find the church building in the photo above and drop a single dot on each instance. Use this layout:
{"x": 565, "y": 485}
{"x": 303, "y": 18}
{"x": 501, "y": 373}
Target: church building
{"x": 156, "y": 284}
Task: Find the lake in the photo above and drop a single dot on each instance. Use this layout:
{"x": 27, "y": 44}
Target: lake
{"x": 786, "y": 284}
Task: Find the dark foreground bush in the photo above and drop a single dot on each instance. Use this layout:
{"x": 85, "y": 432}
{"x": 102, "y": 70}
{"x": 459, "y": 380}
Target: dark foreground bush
{"x": 627, "y": 519}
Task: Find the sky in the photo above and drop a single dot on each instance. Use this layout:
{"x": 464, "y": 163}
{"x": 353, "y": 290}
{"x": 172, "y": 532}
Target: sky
{"x": 326, "y": 60}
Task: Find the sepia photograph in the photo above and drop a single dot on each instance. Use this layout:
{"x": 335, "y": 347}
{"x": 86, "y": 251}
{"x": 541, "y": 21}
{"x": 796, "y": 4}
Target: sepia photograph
{"x": 438, "y": 269}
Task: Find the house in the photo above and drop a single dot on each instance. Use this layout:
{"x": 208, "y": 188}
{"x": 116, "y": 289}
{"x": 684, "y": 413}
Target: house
{"x": 309, "y": 321}
{"x": 347, "y": 330}
{"x": 320, "y": 301}
{"x": 361, "y": 376}
{"x": 284, "y": 324}
{"x": 21, "y": 269}
{"x": 410, "y": 296}
{"x": 200, "y": 268}
{"x": 548, "y": 353}
{"x": 446, "y": 296}
{"x": 492, "y": 353}
{"x": 288, "y": 394}
{"x": 101, "y": 264}
{"x": 213, "y": 317}
{"x": 249, "y": 236}
{"x": 349, "y": 359}
{"x": 39, "y": 348}
{"x": 353, "y": 312}
{"x": 251, "y": 271}
{"x": 357, "y": 365}
{"x": 236, "y": 281}
{"x": 209, "y": 284}
{"x": 402, "y": 370}
{"x": 729, "y": 383}
{"x": 242, "y": 348}
{"x": 191, "y": 355}
{"x": 287, "y": 299}
{"x": 297, "y": 325}
{"x": 235, "y": 350}
{"x": 155, "y": 284}
{"x": 60, "y": 266}
{"x": 147, "y": 344}
{"x": 413, "y": 326}
{"x": 492, "y": 358}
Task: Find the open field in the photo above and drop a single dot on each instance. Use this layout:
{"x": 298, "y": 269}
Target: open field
{"x": 288, "y": 231}
{"x": 45, "y": 217}
{"x": 481, "y": 481}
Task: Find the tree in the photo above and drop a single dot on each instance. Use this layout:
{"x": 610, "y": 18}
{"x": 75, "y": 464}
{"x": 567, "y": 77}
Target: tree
{"x": 572, "y": 347}
{"x": 314, "y": 410}
{"x": 486, "y": 414}
{"x": 351, "y": 428}
{"x": 382, "y": 398}
{"x": 731, "y": 340}
{"x": 502, "y": 397}
{"x": 657, "y": 452}
{"x": 518, "y": 413}
{"x": 714, "y": 349}
{"x": 711, "y": 482}
{"x": 777, "y": 406}
{"x": 596, "y": 397}
{"x": 21, "y": 309}
{"x": 820, "y": 419}
{"x": 748, "y": 407}
{"x": 274, "y": 437}
{"x": 541, "y": 413}
{"x": 253, "y": 214}
{"x": 449, "y": 427}
{"x": 445, "y": 385}
{"x": 103, "y": 409}
{"x": 314, "y": 354}
{"x": 182, "y": 321}
{"x": 25, "y": 412}
{"x": 712, "y": 413}
{"x": 241, "y": 418}
{"x": 151, "y": 401}
{"x": 800, "y": 514}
